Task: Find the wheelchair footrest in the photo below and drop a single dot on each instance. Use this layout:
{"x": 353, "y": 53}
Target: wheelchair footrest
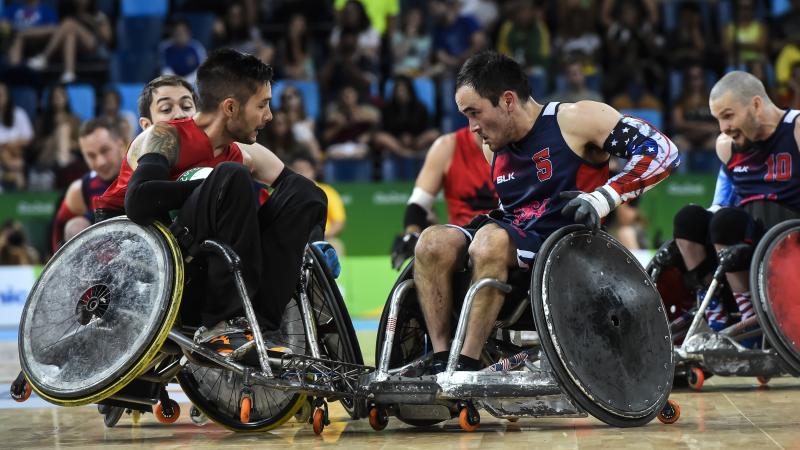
{"x": 414, "y": 391}
{"x": 322, "y": 376}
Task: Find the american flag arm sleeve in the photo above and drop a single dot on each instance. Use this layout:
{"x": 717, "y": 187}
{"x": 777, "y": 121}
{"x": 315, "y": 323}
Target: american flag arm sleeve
{"x": 651, "y": 157}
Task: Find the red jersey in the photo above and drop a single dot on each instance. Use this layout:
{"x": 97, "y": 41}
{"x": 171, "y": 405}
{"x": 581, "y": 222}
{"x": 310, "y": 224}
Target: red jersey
{"x": 195, "y": 151}
{"x": 468, "y": 189}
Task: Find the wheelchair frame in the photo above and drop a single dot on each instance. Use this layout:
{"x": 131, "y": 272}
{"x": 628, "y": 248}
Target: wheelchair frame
{"x": 705, "y": 352}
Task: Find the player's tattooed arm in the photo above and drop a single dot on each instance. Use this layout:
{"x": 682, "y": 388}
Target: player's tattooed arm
{"x": 161, "y": 138}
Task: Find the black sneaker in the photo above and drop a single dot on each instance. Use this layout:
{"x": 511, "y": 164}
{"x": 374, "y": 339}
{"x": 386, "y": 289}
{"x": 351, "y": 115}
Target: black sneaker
{"x": 438, "y": 364}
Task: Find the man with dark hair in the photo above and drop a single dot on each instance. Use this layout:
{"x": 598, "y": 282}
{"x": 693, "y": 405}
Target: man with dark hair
{"x": 758, "y": 187}
{"x": 549, "y": 168}
{"x": 164, "y": 98}
{"x": 234, "y": 91}
{"x": 168, "y": 97}
{"x": 102, "y": 146}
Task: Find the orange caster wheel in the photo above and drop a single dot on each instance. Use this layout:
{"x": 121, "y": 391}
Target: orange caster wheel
{"x": 696, "y": 378}
{"x": 469, "y": 419}
{"x": 763, "y": 381}
{"x": 378, "y": 419}
{"x": 513, "y": 419}
{"x": 20, "y": 388}
{"x": 670, "y": 413}
{"x": 244, "y": 411}
{"x": 318, "y": 421}
{"x": 167, "y": 416}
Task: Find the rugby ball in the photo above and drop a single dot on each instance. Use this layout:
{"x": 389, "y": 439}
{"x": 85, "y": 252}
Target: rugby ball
{"x": 197, "y": 173}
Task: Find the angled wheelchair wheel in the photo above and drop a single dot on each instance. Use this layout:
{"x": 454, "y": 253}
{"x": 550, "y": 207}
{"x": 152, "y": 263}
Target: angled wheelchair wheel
{"x": 100, "y": 311}
{"x": 217, "y": 392}
{"x": 600, "y": 320}
{"x": 337, "y": 337}
{"x": 677, "y": 298}
{"x": 776, "y": 290}
{"x": 410, "y": 339}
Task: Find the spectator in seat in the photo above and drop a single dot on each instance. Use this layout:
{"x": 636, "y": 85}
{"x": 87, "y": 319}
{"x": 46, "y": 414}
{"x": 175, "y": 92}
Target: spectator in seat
{"x": 411, "y": 45}
{"x": 109, "y": 107}
{"x": 349, "y": 124}
{"x": 180, "y": 54}
{"x": 406, "y": 130}
{"x": 30, "y": 24}
{"x": 745, "y": 39}
{"x": 14, "y": 248}
{"x": 56, "y": 143}
{"x": 304, "y": 128}
{"x": 297, "y": 50}
{"x": 15, "y": 134}
{"x": 576, "y": 88}
{"x": 84, "y": 29}
{"x": 693, "y": 125}
{"x": 525, "y": 37}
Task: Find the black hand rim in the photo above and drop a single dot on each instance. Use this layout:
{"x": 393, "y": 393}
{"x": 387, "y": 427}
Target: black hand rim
{"x": 559, "y": 369}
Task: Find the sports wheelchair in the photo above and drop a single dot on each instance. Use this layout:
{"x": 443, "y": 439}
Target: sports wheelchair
{"x": 585, "y": 333}
{"x": 103, "y": 324}
{"x": 701, "y": 352}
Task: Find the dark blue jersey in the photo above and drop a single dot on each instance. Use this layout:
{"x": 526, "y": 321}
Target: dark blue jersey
{"x": 529, "y": 175}
{"x": 770, "y": 170}
{"x": 93, "y": 186}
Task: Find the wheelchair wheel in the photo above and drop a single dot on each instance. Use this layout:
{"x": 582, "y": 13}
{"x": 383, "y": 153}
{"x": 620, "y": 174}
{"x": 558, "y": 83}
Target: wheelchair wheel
{"x": 100, "y": 311}
{"x": 601, "y": 320}
{"x": 337, "y": 337}
{"x": 410, "y": 338}
{"x": 773, "y": 282}
{"x": 217, "y": 392}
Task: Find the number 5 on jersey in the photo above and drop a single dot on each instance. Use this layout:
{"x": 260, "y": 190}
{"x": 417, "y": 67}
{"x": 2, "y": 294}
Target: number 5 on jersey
{"x": 544, "y": 168}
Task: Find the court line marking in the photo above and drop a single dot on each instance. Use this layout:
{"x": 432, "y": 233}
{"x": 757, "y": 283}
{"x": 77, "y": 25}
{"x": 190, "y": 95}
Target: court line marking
{"x": 752, "y": 423}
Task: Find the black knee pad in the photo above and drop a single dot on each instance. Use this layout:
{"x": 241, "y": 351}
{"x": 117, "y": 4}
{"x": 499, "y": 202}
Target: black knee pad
{"x": 692, "y": 223}
{"x": 730, "y": 226}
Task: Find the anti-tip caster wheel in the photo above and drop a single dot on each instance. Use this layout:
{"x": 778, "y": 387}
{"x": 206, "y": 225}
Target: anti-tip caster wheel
{"x": 378, "y": 418}
{"x": 696, "y": 378}
{"x": 469, "y": 419}
{"x": 20, "y": 389}
{"x": 244, "y": 409}
{"x": 167, "y": 415}
{"x": 670, "y": 413}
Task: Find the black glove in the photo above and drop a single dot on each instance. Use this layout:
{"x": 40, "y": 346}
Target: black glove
{"x": 403, "y": 248}
{"x": 580, "y": 209}
{"x": 735, "y": 258}
{"x": 668, "y": 255}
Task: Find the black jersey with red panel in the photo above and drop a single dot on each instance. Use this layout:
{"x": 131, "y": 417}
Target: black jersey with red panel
{"x": 529, "y": 175}
{"x": 770, "y": 169}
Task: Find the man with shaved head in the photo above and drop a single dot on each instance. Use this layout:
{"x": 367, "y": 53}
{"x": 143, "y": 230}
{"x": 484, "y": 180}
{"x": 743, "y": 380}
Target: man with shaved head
{"x": 758, "y": 186}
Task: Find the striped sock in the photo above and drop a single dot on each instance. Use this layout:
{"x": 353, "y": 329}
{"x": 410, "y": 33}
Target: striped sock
{"x": 715, "y": 315}
{"x": 744, "y": 304}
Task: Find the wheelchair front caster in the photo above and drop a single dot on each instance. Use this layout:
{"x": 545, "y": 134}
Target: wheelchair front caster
{"x": 167, "y": 413}
{"x": 197, "y": 416}
{"x": 696, "y": 377}
{"x": 20, "y": 388}
{"x": 318, "y": 421}
{"x": 244, "y": 410}
{"x": 378, "y": 418}
{"x": 670, "y": 413}
{"x": 136, "y": 416}
{"x": 763, "y": 381}
{"x": 111, "y": 414}
{"x": 513, "y": 419}
{"x": 469, "y": 419}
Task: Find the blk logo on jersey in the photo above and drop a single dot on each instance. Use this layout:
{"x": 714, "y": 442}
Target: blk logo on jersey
{"x": 741, "y": 169}
{"x": 506, "y": 177}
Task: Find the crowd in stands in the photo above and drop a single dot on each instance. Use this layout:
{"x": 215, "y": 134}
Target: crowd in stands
{"x": 364, "y": 86}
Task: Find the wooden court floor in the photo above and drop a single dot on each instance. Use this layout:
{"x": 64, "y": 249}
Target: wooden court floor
{"x": 728, "y": 413}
